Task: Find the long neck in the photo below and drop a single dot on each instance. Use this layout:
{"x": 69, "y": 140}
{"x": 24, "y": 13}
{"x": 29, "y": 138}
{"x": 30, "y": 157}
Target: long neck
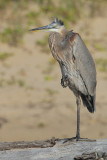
{"x": 57, "y": 43}
{"x": 56, "y": 38}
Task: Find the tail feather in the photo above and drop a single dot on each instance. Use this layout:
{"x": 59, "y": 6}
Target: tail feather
{"x": 89, "y": 102}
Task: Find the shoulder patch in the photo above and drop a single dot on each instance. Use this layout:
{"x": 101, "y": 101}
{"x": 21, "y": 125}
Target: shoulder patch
{"x": 73, "y": 36}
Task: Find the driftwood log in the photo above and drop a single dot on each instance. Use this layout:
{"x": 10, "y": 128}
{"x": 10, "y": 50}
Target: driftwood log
{"x": 54, "y": 149}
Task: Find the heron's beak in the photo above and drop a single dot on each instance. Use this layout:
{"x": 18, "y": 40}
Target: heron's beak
{"x": 48, "y": 27}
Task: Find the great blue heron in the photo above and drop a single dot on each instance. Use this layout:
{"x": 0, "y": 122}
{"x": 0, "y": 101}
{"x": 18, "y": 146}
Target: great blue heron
{"x": 76, "y": 64}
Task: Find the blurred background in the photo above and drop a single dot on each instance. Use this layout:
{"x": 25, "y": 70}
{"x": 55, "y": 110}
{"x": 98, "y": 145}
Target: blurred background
{"x": 33, "y": 105}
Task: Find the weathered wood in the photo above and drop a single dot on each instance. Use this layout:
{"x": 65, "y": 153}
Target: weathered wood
{"x": 92, "y": 156}
{"x": 23, "y": 144}
{"x": 54, "y": 149}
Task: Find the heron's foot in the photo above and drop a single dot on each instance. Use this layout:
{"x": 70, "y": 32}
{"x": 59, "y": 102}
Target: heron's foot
{"x": 64, "y": 81}
{"x": 76, "y": 139}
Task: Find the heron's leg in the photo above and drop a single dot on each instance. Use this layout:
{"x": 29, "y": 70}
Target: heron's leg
{"x": 78, "y": 138}
{"x": 64, "y": 81}
{"x": 78, "y": 102}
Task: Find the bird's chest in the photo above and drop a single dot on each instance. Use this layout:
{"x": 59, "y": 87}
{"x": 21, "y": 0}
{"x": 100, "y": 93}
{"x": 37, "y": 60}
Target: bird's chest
{"x": 62, "y": 52}
{"x": 56, "y": 47}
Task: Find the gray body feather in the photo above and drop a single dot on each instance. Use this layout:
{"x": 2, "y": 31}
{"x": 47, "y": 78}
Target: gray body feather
{"x": 76, "y": 64}
{"x": 85, "y": 65}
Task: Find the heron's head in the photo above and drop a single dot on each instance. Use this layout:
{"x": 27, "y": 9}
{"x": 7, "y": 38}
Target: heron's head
{"x": 55, "y": 26}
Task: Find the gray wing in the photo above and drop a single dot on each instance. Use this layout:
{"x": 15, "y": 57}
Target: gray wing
{"x": 84, "y": 63}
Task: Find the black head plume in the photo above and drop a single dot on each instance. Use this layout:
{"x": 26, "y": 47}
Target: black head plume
{"x": 60, "y": 22}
